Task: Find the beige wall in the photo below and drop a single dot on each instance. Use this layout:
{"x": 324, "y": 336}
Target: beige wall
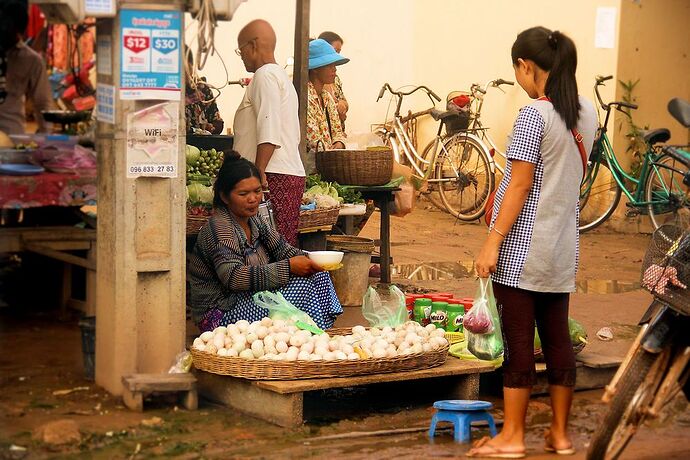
{"x": 654, "y": 47}
{"x": 445, "y": 44}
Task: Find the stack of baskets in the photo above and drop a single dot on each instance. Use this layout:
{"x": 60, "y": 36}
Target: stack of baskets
{"x": 370, "y": 167}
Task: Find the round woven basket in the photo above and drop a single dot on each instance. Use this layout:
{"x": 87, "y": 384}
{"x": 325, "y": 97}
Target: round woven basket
{"x": 318, "y": 218}
{"x": 355, "y": 167}
{"x": 195, "y": 222}
{"x": 295, "y": 370}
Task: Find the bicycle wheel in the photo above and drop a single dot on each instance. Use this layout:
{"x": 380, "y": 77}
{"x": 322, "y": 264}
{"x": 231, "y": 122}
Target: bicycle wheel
{"x": 599, "y": 196}
{"x": 666, "y": 193}
{"x": 465, "y": 167}
{"x": 433, "y": 197}
{"x": 628, "y": 408}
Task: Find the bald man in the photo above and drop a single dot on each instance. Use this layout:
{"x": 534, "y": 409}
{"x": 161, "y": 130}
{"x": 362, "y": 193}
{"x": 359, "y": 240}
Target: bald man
{"x": 267, "y": 128}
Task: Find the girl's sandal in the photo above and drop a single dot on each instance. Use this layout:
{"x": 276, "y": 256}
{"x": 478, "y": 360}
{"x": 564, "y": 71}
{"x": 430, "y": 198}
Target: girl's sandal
{"x": 487, "y": 451}
{"x": 548, "y": 447}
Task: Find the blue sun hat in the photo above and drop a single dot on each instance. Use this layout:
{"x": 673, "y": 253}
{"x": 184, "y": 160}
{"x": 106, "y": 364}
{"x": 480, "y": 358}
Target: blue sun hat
{"x": 321, "y": 53}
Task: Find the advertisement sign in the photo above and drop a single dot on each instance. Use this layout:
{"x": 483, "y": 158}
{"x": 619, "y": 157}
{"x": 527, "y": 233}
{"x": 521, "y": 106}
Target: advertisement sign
{"x": 150, "y": 65}
{"x": 152, "y": 141}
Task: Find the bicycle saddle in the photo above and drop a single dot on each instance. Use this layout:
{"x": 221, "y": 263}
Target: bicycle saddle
{"x": 656, "y": 136}
{"x": 680, "y": 109}
{"x": 442, "y": 115}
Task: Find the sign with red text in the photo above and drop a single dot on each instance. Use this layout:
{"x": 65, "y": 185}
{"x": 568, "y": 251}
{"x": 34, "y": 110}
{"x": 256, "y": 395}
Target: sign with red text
{"x": 150, "y": 55}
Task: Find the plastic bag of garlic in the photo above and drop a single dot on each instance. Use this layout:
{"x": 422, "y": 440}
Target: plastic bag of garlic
{"x": 281, "y": 340}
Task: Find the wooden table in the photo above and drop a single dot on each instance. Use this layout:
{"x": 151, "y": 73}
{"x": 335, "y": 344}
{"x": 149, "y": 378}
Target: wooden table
{"x": 282, "y": 401}
{"x": 381, "y": 196}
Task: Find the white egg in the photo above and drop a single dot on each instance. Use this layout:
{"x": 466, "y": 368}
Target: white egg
{"x": 270, "y": 349}
{"x": 358, "y": 330}
{"x": 353, "y": 356}
{"x": 269, "y": 356}
{"x": 411, "y": 338}
{"x": 380, "y": 343}
{"x": 307, "y": 347}
{"x": 232, "y": 352}
{"x": 198, "y": 343}
{"x": 417, "y": 348}
{"x": 257, "y": 348}
{"x": 391, "y": 352}
{"x": 293, "y": 349}
{"x": 270, "y": 340}
{"x": 242, "y": 325}
{"x": 424, "y": 333}
{"x": 438, "y": 333}
{"x": 281, "y": 346}
{"x": 280, "y": 357}
{"x": 261, "y": 332}
{"x": 427, "y": 347}
{"x": 297, "y": 340}
{"x": 222, "y": 352}
{"x": 340, "y": 355}
{"x": 211, "y": 348}
{"x": 206, "y": 336}
{"x": 282, "y": 337}
{"x": 219, "y": 340}
{"x": 239, "y": 347}
{"x": 408, "y": 351}
{"x": 333, "y": 345}
{"x": 303, "y": 356}
{"x": 279, "y": 323}
{"x": 430, "y": 327}
{"x": 329, "y": 356}
{"x": 375, "y": 331}
{"x": 240, "y": 338}
{"x": 292, "y": 354}
{"x": 252, "y": 337}
{"x": 228, "y": 342}
{"x": 347, "y": 348}
{"x": 232, "y": 329}
{"x": 379, "y": 353}
{"x": 398, "y": 341}
{"x": 255, "y": 324}
{"x": 220, "y": 330}
{"x": 305, "y": 334}
{"x": 315, "y": 357}
{"x": 321, "y": 350}
{"x": 266, "y": 322}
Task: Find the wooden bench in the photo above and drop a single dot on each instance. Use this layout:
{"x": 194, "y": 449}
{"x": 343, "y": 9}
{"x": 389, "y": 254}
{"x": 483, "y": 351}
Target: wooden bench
{"x": 137, "y": 386}
{"x": 282, "y": 401}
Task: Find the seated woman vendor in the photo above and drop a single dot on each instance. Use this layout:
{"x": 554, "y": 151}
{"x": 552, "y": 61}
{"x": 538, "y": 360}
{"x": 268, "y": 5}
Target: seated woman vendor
{"x": 324, "y": 129}
{"x": 237, "y": 254}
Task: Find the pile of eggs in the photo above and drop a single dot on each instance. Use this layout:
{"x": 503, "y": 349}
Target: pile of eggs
{"x": 282, "y": 341}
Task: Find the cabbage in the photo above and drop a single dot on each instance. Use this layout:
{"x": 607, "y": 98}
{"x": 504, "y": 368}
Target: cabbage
{"x": 192, "y": 153}
{"x": 199, "y": 193}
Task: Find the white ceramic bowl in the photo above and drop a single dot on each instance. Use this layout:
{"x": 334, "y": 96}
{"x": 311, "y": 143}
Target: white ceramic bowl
{"x": 326, "y": 258}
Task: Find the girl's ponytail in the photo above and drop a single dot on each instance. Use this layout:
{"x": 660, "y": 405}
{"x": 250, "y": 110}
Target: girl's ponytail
{"x": 554, "y": 52}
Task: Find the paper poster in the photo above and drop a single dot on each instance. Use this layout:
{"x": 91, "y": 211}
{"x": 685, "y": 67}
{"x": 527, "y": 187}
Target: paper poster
{"x": 605, "y": 29}
{"x": 99, "y": 8}
{"x": 104, "y": 55}
{"x": 152, "y": 141}
{"x": 105, "y": 103}
{"x": 150, "y": 65}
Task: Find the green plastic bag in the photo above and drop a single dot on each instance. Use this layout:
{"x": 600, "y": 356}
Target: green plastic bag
{"x": 281, "y": 308}
{"x": 487, "y": 346}
{"x": 387, "y": 311}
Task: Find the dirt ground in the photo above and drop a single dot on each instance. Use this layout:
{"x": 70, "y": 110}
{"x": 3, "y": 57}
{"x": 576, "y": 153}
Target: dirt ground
{"x": 40, "y": 355}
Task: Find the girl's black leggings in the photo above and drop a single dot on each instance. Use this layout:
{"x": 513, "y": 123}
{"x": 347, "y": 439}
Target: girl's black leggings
{"x": 519, "y": 309}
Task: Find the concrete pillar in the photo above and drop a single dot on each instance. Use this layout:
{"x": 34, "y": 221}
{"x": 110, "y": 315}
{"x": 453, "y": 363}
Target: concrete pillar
{"x": 140, "y": 310}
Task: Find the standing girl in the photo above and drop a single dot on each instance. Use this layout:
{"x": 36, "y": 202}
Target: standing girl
{"x": 531, "y": 252}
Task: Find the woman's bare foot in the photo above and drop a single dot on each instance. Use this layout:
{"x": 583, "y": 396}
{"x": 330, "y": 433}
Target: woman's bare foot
{"x": 497, "y": 447}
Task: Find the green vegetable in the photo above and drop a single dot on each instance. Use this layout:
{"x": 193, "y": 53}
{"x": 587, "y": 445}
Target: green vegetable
{"x": 192, "y": 154}
{"x": 199, "y": 194}
{"x": 577, "y": 332}
{"x": 343, "y": 194}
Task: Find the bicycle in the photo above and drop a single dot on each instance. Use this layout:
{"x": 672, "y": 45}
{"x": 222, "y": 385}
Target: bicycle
{"x": 458, "y": 169}
{"x": 477, "y": 134}
{"x": 659, "y": 188}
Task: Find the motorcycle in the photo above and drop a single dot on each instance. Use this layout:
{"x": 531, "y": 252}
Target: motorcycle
{"x": 657, "y": 366}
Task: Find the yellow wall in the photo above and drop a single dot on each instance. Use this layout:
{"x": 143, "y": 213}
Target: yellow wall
{"x": 445, "y": 44}
{"x": 654, "y": 47}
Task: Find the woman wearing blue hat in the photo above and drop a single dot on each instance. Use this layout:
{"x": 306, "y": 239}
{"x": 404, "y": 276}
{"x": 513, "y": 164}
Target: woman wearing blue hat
{"x": 324, "y": 129}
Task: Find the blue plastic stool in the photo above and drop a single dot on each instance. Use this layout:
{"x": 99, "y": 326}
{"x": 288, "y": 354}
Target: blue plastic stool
{"x": 462, "y": 413}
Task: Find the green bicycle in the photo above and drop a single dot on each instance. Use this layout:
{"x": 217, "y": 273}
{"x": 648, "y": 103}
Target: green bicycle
{"x": 659, "y": 190}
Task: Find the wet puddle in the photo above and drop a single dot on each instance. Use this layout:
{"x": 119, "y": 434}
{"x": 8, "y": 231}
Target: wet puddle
{"x": 439, "y": 271}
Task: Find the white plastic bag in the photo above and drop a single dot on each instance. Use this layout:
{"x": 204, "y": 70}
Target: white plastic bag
{"x": 389, "y": 311}
{"x": 483, "y": 324}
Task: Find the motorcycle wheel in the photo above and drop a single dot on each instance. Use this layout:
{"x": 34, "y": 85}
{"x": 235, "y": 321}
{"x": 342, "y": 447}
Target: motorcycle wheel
{"x": 628, "y": 407}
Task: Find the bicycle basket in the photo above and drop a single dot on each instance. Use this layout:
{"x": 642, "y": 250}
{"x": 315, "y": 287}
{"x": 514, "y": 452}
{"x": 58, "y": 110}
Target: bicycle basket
{"x": 666, "y": 267}
{"x": 456, "y": 123}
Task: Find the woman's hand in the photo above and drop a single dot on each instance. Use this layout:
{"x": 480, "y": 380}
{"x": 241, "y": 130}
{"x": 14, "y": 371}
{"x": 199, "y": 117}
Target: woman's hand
{"x": 303, "y": 266}
{"x": 342, "y": 109}
{"x": 485, "y": 263}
